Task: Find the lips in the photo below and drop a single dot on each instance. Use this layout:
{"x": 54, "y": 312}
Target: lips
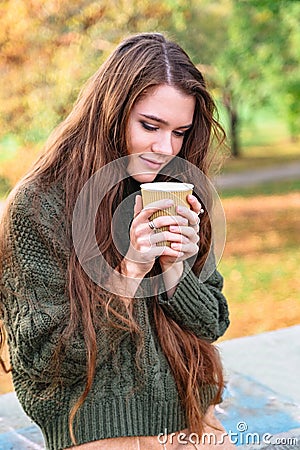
{"x": 152, "y": 162}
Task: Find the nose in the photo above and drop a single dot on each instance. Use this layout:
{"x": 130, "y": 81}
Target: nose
{"x": 163, "y": 144}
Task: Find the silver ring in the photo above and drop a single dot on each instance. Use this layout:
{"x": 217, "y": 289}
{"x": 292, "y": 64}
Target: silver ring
{"x": 195, "y": 224}
{"x": 152, "y": 225}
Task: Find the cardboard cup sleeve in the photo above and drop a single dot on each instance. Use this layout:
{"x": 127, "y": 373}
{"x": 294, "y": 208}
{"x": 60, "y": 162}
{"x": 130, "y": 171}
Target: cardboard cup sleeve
{"x": 176, "y": 191}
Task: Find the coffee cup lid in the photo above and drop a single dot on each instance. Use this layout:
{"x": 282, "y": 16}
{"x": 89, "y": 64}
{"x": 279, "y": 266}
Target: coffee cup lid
{"x": 167, "y": 186}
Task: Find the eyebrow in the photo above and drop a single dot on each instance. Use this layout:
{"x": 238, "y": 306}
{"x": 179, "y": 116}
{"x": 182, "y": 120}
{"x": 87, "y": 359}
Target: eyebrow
{"x": 164, "y": 122}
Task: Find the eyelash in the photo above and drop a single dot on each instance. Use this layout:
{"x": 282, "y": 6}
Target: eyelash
{"x": 146, "y": 126}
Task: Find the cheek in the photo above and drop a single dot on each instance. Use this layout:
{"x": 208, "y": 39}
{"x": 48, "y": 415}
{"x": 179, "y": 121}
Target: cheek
{"x": 138, "y": 142}
{"x": 177, "y": 144}
{"x": 132, "y": 138}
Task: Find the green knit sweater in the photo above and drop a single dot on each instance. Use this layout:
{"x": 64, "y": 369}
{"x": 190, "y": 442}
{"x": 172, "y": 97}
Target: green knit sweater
{"x": 124, "y": 400}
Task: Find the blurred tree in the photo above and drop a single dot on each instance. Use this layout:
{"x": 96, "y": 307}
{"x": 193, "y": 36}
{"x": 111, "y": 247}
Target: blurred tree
{"x": 260, "y": 64}
{"x": 288, "y": 81}
{"x": 43, "y": 58}
{"x": 49, "y": 48}
{"x": 228, "y": 39}
{"x": 246, "y": 63}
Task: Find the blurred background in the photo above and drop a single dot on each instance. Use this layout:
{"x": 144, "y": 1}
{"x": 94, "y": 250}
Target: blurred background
{"x": 249, "y": 52}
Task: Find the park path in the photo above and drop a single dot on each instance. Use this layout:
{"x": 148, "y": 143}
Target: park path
{"x": 258, "y": 176}
{"x": 290, "y": 171}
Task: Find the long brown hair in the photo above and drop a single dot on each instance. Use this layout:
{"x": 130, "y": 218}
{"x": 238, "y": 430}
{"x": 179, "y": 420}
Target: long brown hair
{"x": 93, "y": 135}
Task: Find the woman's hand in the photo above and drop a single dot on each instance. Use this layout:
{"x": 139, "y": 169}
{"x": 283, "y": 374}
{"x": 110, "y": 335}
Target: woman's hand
{"x": 143, "y": 250}
{"x": 183, "y": 235}
{"x": 184, "y": 238}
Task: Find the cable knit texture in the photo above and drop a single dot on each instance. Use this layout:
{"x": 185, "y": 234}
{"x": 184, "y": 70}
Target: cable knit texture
{"x": 124, "y": 400}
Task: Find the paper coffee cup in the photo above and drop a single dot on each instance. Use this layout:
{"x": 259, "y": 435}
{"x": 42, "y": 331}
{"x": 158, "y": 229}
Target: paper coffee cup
{"x": 176, "y": 191}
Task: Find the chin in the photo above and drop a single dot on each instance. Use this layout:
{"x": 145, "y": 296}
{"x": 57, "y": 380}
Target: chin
{"x": 144, "y": 177}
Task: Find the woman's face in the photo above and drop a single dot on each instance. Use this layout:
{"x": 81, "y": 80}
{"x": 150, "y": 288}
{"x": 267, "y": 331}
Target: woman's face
{"x": 156, "y": 129}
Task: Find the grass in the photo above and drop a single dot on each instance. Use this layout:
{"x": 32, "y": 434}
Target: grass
{"x": 261, "y": 263}
{"x": 5, "y": 187}
{"x": 268, "y": 188}
{"x": 258, "y": 157}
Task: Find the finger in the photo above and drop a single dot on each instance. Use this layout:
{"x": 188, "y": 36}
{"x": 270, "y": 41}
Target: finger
{"x": 167, "y": 251}
{"x": 189, "y": 232}
{"x": 159, "y": 222}
{"x": 195, "y": 224}
{"x": 166, "y": 221}
{"x": 190, "y": 248}
{"x": 138, "y": 205}
{"x": 190, "y": 215}
{"x": 151, "y": 208}
{"x": 167, "y": 236}
{"x": 195, "y": 204}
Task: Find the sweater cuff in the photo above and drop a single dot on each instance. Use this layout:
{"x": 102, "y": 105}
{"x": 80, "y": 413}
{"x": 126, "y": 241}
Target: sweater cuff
{"x": 198, "y": 307}
{"x": 185, "y": 300}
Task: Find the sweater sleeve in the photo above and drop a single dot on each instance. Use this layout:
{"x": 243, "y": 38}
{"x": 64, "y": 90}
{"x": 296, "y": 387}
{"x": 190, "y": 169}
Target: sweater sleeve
{"x": 36, "y": 306}
{"x": 198, "y": 306}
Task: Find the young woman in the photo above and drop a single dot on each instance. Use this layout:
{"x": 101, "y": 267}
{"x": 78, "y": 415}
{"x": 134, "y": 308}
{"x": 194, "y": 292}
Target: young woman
{"x": 94, "y": 368}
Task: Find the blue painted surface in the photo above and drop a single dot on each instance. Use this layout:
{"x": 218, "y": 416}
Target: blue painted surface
{"x": 29, "y": 438}
{"x": 250, "y": 408}
{"x": 17, "y": 431}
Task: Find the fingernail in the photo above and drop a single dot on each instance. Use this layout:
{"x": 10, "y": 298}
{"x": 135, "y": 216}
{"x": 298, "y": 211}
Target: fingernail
{"x": 180, "y": 208}
{"x": 169, "y": 202}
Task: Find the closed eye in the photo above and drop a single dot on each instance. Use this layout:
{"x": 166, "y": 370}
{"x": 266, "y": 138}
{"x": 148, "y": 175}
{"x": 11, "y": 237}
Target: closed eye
{"x": 179, "y": 134}
{"x": 148, "y": 127}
